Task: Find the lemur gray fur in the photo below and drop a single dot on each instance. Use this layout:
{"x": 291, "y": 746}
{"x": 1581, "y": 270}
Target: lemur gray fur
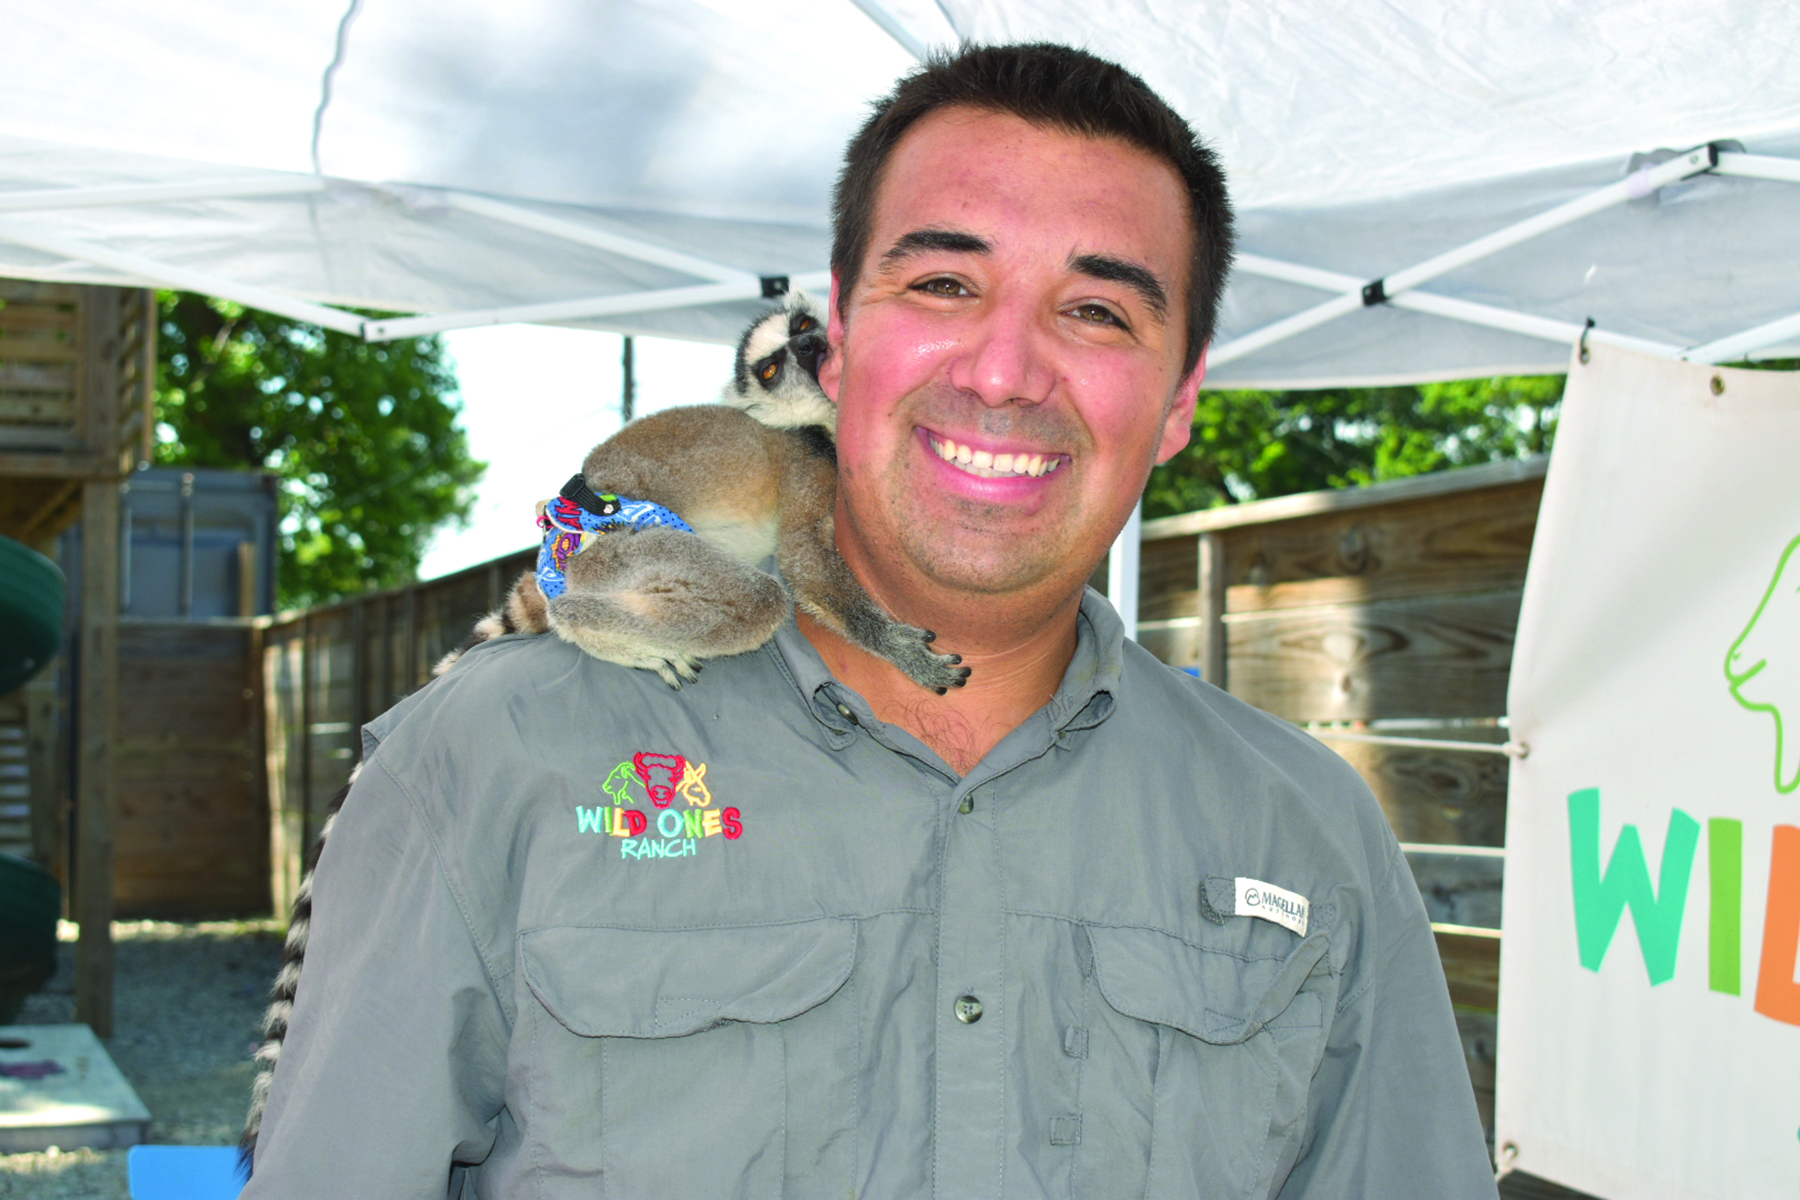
{"x": 754, "y": 474}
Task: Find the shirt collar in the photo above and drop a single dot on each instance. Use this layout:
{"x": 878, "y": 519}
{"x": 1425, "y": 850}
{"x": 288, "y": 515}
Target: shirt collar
{"x": 1083, "y": 700}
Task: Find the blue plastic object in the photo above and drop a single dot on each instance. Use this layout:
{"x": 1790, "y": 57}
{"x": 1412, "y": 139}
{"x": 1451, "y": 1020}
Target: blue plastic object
{"x": 183, "y": 1172}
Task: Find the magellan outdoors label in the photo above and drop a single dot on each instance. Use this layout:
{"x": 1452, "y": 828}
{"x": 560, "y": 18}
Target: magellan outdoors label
{"x": 1258, "y": 899}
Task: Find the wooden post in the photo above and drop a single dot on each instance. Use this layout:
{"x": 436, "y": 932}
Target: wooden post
{"x": 409, "y": 654}
{"x": 308, "y": 831}
{"x": 256, "y": 692}
{"x": 98, "y": 395}
{"x": 1213, "y": 645}
{"x": 96, "y": 738}
{"x": 359, "y": 672}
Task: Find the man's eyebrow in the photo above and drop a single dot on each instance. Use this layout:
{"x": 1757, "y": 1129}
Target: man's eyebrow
{"x": 1133, "y": 276}
{"x": 918, "y": 241}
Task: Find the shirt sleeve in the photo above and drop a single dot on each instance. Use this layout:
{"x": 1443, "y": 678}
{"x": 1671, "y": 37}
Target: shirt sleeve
{"x": 1392, "y": 1112}
{"x": 393, "y": 1068}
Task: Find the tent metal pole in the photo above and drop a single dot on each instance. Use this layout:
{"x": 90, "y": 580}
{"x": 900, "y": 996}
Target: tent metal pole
{"x": 1759, "y": 166}
{"x": 1738, "y": 345}
{"x": 891, "y": 26}
{"x": 1637, "y": 185}
{"x": 1565, "y": 333}
{"x": 158, "y": 193}
{"x": 169, "y": 275}
{"x": 1122, "y": 568}
{"x": 600, "y": 239}
{"x": 1467, "y": 311}
{"x": 593, "y": 306}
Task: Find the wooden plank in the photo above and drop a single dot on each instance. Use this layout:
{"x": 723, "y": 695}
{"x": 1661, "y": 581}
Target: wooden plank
{"x": 1477, "y": 1031}
{"x": 1166, "y": 569}
{"x": 97, "y": 734}
{"x": 50, "y": 379}
{"x": 1459, "y": 889}
{"x": 48, "y": 454}
{"x": 287, "y": 818}
{"x": 21, "y": 415}
{"x": 1449, "y": 796}
{"x": 1375, "y": 495}
{"x": 48, "y": 812}
{"x": 38, "y": 321}
{"x": 137, "y": 401}
{"x": 1471, "y": 967}
{"x": 1443, "y": 657}
{"x": 27, "y": 291}
{"x": 36, "y": 345}
{"x": 98, "y": 372}
{"x": 1175, "y": 642}
{"x": 1468, "y": 542}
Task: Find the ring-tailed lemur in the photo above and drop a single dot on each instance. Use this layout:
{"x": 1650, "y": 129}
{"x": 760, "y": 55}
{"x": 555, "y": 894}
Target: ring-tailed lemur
{"x": 752, "y": 475}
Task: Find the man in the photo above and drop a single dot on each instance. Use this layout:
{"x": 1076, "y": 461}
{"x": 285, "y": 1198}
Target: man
{"x": 1084, "y": 927}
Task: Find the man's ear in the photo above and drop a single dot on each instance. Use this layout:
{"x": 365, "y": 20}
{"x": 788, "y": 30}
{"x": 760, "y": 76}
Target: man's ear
{"x": 1180, "y": 422}
{"x": 831, "y": 371}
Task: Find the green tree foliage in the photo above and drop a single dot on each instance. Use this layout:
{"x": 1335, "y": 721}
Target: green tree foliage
{"x": 362, "y": 435}
{"x": 1252, "y": 445}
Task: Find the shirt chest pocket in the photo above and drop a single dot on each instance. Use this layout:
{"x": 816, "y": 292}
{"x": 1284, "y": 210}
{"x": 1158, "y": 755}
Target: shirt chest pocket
{"x": 1200, "y": 1055}
{"x": 685, "y": 1062}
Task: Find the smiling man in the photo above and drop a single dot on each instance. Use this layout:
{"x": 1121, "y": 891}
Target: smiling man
{"x": 1084, "y": 927}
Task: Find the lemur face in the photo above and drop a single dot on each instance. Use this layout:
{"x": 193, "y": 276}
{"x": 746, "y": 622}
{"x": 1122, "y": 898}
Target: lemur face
{"x": 776, "y": 379}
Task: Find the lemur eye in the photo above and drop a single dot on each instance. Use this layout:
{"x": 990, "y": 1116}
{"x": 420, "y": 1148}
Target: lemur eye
{"x": 802, "y": 324}
{"x": 769, "y": 370}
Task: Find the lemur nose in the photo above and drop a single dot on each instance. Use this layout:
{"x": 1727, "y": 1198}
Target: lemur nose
{"x": 809, "y": 352}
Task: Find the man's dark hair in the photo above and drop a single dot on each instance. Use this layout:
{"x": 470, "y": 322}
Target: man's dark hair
{"x": 1060, "y": 88}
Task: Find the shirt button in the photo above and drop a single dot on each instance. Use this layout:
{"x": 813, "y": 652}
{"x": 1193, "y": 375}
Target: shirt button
{"x": 844, "y": 711}
{"x": 968, "y": 1009}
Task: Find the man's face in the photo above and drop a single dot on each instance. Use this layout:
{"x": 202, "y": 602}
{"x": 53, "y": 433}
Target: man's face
{"x": 1008, "y": 367}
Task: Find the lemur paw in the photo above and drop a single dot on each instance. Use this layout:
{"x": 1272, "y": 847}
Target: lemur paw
{"x": 909, "y": 648}
{"x": 675, "y": 669}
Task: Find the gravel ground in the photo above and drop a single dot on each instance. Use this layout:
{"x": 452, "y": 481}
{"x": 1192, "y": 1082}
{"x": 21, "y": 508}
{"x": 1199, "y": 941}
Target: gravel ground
{"x": 187, "y": 1004}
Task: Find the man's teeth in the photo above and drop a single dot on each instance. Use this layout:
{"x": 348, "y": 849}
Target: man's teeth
{"x": 981, "y": 462}
{"x": 994, "y": 466}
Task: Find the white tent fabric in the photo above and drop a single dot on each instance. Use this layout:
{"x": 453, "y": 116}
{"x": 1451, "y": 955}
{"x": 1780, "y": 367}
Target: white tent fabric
{"x": 642, "y": 166}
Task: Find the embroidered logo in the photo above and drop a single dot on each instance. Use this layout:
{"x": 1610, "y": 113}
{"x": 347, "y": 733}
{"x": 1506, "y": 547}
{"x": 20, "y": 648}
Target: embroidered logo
{"x": 667, "y": 829}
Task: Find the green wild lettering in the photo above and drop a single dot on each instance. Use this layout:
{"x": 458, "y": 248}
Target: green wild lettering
{"x": 1725, "y": 868}
{"x": 1600, "y": 900}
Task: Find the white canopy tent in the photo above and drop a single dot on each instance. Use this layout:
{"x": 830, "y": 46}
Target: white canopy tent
{"x": 655, "y": 167}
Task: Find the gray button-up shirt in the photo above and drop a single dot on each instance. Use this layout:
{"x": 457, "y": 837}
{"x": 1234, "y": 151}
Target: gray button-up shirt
{"x": 578, "y": 934}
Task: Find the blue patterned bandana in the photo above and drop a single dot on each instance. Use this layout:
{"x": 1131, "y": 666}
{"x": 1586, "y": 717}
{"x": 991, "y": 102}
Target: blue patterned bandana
{"x": 577, "y": 516}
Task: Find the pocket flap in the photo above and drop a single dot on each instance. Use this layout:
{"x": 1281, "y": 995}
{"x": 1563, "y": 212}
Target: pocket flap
{"x": 646, "y": 983}
{"x": 1220, "y": 994}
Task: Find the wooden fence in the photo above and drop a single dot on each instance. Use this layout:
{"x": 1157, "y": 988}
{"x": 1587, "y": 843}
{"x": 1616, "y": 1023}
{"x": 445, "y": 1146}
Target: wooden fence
{"x": 191, "y": 833}
{"x": 329, "y": 670}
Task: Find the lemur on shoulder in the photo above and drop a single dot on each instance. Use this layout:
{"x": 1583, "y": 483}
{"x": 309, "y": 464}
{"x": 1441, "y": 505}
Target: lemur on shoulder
{"x": 649, "y": 560}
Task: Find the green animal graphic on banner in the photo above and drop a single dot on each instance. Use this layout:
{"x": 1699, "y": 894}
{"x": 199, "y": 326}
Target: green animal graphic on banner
{"x": 1763, "y": 666}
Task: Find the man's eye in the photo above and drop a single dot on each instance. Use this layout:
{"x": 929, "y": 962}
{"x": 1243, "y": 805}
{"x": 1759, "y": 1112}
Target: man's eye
{"x": 942, "y": 286}
{"x": 1098, "y": 314}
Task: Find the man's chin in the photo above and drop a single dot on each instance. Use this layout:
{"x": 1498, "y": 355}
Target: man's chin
{"x": 995, "y": 567}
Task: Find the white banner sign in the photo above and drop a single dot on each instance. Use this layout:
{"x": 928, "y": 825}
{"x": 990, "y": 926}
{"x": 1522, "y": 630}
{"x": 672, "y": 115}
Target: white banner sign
{"x": 1649, "y": 1031}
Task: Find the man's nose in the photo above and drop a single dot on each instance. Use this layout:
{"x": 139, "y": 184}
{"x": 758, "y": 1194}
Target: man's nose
{"x": 1005, "y": 358}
